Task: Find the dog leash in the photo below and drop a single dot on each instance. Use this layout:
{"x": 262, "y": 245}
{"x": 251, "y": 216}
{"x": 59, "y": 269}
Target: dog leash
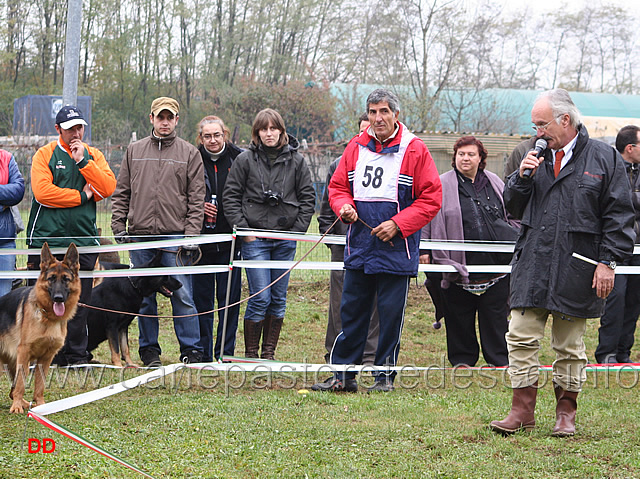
{"x": 229, "y": 305}
{"x": 371, "y": 228}
{"x": 197, "y": 255}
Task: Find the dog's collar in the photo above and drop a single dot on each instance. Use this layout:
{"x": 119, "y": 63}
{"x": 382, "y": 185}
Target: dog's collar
{"x": 133, "y": 285}
{"x": 42, "y": 314}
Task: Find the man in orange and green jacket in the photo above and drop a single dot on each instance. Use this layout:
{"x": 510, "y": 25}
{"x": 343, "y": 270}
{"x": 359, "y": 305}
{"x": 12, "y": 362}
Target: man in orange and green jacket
{"x": 68, "y": 177}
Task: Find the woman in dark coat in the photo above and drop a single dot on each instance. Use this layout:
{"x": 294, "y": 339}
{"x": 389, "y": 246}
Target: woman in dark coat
{"x": 269, "y": 188}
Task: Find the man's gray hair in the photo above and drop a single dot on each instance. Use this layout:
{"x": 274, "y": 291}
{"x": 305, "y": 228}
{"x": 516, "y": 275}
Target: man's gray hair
{"x": 562, "y": 104}
{"x": 381, "y": 94}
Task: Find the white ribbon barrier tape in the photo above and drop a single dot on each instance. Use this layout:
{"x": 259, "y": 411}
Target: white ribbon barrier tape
{"x": 502, "y": 247}
{"x": 467, "y": 246}
{"x": 306, "y": 265}
{"x": 584, "y": 258}
{"x": 121, "y": 273}
{"x": 91, "y": 396}
{"x": 242, "y": 365}
{"x": 164, "y": 243}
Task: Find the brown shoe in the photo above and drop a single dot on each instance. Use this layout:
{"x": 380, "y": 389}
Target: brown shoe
{"x": 252, "y": 332}
{"x": 272, "y": 327}
{"x": 565, "y": 412}
{"x": 521, "y": 417}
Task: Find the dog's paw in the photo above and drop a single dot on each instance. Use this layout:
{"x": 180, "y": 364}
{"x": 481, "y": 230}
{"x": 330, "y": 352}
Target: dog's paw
{"x": 38, "y": 401}
{"x": 19, "y": 406}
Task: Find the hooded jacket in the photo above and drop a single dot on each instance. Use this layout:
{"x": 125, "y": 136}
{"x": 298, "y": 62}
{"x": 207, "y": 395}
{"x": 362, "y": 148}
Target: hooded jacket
{"x": 246, "y": 194}
{"x": 587, "y": 210}
{"x": 160, "y": 188}
{"x": 401, "y": 183}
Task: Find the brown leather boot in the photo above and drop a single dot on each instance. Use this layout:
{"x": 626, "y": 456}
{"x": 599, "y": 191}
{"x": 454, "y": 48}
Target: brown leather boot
{"x": 252, "y": 332}
{"x": 270, "y": 337}
{"x": 521, "y": 417}
{"x": 265, "y": 332}
{"x": 565, "y": 412}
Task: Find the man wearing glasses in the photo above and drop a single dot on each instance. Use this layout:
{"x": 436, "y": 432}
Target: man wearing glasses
{"x": 618, "y": 323}
{"x": 577, "y": 223}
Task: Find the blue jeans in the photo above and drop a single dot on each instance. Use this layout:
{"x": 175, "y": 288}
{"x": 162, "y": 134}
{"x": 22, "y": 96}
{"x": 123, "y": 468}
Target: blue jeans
{"x": 272, "y": 301}
{"x": 188, "y": 328}
{"x": 206, "y": 287}
{"x": 7, "y": 263}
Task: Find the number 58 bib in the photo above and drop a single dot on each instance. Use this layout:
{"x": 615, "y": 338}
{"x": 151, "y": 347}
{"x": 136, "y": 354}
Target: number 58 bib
{"x": 376, "y": 175}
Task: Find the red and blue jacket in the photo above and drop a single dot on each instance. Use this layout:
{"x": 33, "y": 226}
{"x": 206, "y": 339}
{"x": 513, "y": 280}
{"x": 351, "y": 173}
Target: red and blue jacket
{"x": 396, "y": 180}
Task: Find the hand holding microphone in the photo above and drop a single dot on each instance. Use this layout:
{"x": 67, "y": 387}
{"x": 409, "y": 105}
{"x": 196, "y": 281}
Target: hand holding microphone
{"x": 540, "y": 146}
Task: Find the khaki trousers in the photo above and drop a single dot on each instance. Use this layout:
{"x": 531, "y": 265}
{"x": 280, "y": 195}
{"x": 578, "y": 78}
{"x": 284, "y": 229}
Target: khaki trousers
{"x": 526, "y": 329}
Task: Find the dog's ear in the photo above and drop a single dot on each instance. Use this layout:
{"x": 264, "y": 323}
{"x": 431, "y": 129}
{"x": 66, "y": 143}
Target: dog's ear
{"x": 71, "y": 258}
{"x": 45, "y": 256}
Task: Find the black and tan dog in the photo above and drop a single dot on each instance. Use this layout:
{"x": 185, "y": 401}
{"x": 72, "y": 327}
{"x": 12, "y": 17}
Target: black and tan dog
{"x": 124, "y": 294}
{"x": 33, "y": 323}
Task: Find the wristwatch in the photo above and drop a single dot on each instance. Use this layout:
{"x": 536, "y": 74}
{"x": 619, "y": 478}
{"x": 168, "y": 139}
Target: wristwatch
{"x": 611, "y": 264}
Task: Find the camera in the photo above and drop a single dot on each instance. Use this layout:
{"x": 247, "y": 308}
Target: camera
{"x": 271, "y": 198}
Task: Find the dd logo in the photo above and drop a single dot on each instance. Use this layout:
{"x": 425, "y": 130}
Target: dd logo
{"x": 47, "y": 445}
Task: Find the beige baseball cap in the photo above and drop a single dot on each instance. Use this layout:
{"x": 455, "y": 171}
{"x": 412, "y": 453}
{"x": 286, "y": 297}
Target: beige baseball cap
{"x": 164, "y": 103}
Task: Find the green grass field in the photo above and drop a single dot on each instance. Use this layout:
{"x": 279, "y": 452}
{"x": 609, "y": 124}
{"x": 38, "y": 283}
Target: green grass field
{"x": 191, "y": 425}
{"x": 203, "y": 425}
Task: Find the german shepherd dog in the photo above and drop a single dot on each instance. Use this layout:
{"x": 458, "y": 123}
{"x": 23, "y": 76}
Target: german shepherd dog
{"x": 33, "y": 323}
{"x": 124, "y": 294}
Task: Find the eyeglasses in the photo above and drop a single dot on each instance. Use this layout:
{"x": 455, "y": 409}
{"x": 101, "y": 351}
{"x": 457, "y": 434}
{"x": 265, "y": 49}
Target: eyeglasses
{"x": 215, "y": 136}
{"x": 538, "y": 128}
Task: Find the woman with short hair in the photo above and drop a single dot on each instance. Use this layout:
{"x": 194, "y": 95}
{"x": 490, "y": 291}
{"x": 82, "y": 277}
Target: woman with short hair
{"x": 473, "y": 210}
{"x": 218, "y": 154}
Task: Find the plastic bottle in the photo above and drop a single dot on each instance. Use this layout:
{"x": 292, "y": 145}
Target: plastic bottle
{"x": 210, "y": 221}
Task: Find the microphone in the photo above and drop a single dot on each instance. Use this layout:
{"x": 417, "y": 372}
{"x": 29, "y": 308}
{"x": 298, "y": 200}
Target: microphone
{"x": 541, "y": 145}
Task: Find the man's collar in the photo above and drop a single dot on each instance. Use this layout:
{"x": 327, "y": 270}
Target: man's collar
{"x": 170, "y": 136}
{"x": 373, "y": 135}
{"x": 63, "y": 145}
{"x": 569, "y": 146}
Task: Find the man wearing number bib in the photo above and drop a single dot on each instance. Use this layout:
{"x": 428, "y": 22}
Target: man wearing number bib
{"x": 386, "y": 188}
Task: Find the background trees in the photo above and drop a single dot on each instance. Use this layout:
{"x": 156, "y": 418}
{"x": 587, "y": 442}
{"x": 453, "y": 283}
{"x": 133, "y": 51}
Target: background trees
{"x": 234, "y": 57}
